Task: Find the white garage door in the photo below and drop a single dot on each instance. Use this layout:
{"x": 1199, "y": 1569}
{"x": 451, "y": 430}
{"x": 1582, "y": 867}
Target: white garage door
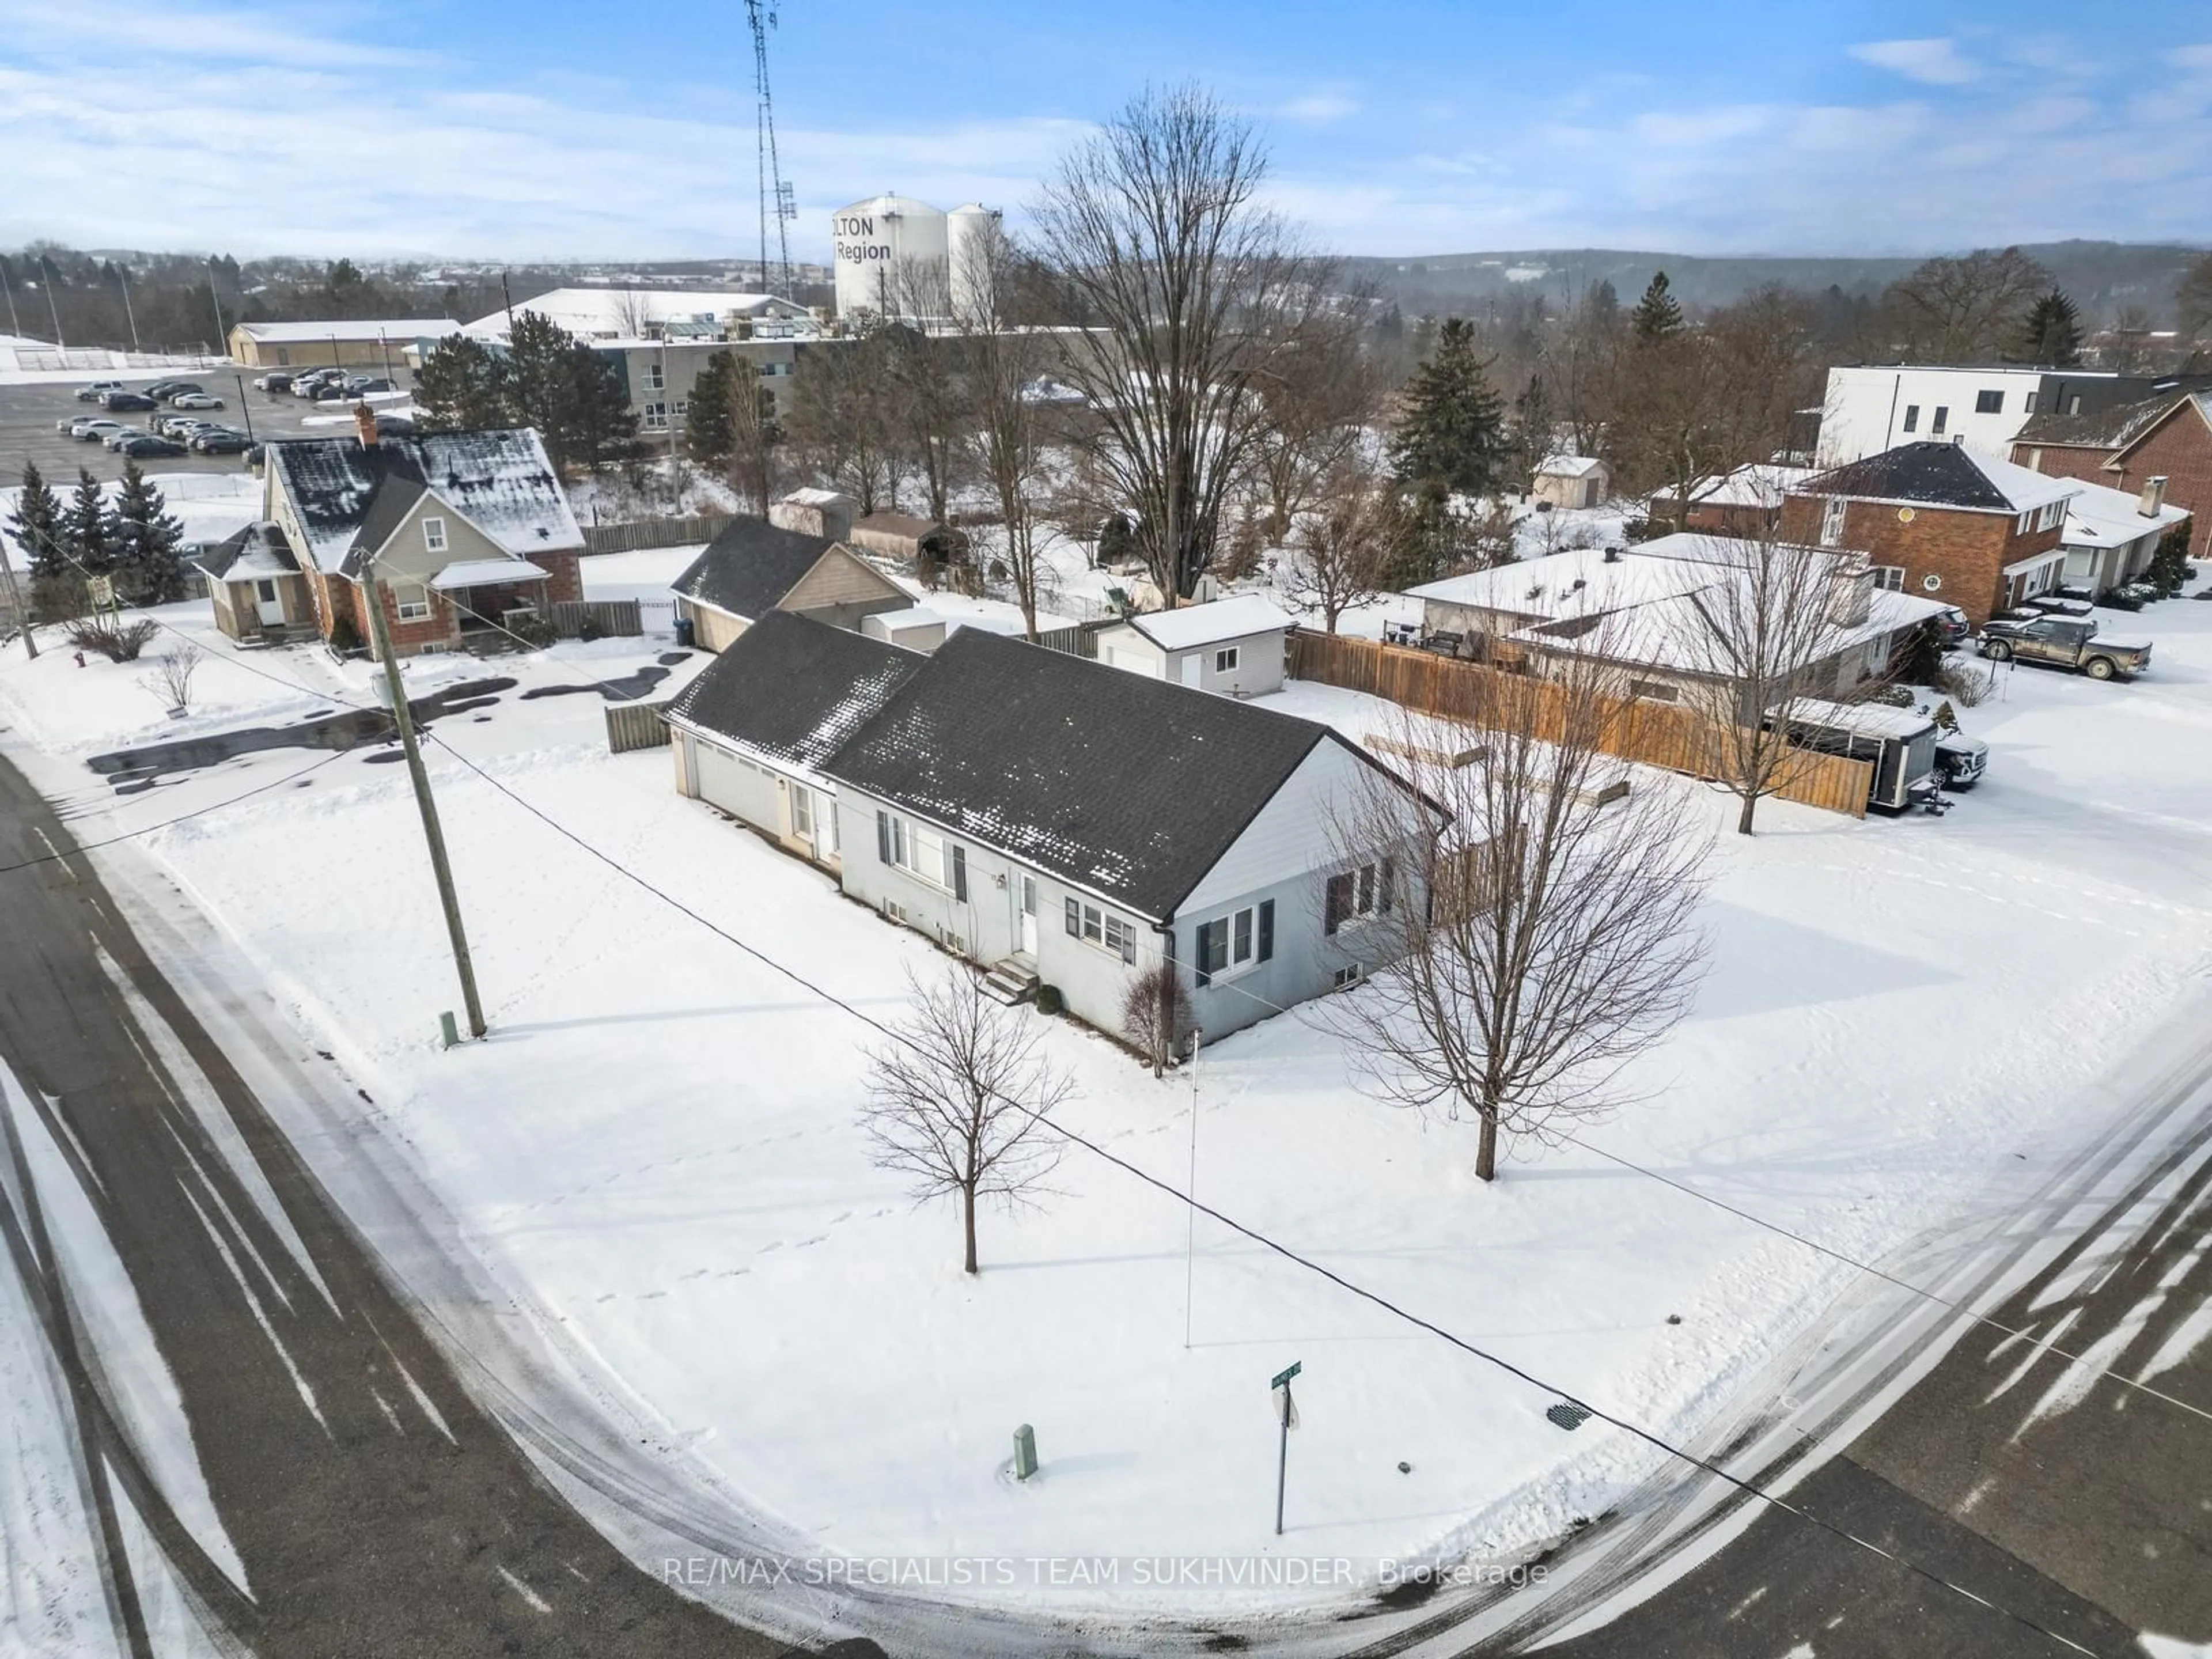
{"x": 1137, "y": 662}
{"x": 740, "y": 789}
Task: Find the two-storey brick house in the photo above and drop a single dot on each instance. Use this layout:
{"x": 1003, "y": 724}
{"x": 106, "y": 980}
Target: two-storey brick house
{"x": 1942, "y": 520}
{"x": 2168, "y": 437}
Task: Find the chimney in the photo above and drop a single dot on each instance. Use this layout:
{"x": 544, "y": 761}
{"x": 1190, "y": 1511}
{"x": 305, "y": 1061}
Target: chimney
{"x": 364, "y": 425}
{"x": 2154, "y": 496}
{"x": 1613, "y": 556}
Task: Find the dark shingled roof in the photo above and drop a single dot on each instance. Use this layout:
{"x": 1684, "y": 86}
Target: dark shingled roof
{"x": 1118, "y": 782}
{"x": 1941, "y": 474}
{"x": 749, "y": 567}
{"x": 2108, "y": 428}
{"x": 794, "y": 688}
{"x": 500, "y": 480}
{"x": 394, "y": 499}
{"x": 260, "y": 549}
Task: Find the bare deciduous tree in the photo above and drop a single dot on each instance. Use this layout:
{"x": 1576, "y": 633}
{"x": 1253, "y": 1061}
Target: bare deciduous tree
{"x": 1958, "y": 310}
{"x": 1156, "y": 1014}
{"x": 838, "y": 418}
{"x": 957, "y": 1100}
{"x": 1759, "y": 635}
{"x": 1319, "y": 402}
{"x": 2192, "y": 300}
{"x": 924, "y": 391}
{"x": 1190, "y": 292}
{"x": 1005, "y": 360}
{"x": 1341, "y": 555}
{"x": 171, "y": 678}
{"x": 1545, "y": 935}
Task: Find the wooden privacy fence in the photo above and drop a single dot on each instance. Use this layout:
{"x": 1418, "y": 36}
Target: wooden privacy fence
{"x": 639, "y": 533}
{"x": 636, "y": 726}
{"x": 614, "y": 619}
{"x": 1653, "y": 733}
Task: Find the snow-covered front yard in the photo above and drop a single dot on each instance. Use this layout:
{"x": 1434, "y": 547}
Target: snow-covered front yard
{"x": 657, "y": 1145}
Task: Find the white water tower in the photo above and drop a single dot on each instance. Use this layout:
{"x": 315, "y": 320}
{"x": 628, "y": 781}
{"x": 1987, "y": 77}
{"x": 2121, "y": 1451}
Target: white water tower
{"x": 873, "y": 240}
{"x": 968, "y": 231}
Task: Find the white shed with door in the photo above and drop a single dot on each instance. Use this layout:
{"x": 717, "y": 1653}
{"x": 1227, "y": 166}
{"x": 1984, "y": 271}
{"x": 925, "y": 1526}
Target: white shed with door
{"x": 1234, "y": 645}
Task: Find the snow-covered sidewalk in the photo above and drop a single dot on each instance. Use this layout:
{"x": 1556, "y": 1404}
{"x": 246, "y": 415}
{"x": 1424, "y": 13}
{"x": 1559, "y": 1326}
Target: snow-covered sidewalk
{"x": 658, "y": 1143}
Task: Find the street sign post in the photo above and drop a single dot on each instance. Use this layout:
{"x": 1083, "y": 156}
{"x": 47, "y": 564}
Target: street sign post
{"x": 1286, "y": 1414}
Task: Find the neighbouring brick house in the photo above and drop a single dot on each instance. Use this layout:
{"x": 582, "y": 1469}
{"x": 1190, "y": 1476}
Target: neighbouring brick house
{"x": 2168, "y": 437}
{"x": 1747, "y": 502}
{"x": 465, "y": 528}
{"x": 1941, "y": 520}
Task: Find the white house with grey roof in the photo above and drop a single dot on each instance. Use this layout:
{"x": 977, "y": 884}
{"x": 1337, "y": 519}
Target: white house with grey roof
{"x": 1070, "y": 824}
{"x": 1233, "y": 645}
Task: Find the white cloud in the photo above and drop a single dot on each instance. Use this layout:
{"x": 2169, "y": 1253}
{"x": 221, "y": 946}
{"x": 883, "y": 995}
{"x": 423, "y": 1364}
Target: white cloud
{"x": 1318, "y": 108}
{"x": 1933, "y": 63}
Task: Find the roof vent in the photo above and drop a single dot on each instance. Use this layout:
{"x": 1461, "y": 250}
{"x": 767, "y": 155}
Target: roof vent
{"x": 2154, "y": 496}
{"x": 1613, "y": 556}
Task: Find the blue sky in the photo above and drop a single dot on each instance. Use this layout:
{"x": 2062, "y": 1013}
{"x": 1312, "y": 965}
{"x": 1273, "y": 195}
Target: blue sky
{"x": 553, "y": 129}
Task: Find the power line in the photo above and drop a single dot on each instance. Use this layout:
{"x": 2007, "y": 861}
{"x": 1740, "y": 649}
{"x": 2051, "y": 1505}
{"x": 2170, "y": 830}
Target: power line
{"x": 1650, "y": 1437}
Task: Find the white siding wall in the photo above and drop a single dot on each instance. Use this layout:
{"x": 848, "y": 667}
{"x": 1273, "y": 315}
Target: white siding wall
{"x": 1293, "y": 834}
{"x": 1864, "y": 411}
{"x": 1258, "y": 668}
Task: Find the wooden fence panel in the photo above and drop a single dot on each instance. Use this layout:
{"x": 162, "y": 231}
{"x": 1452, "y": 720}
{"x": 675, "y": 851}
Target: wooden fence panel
{"x": 613, "y": 618}
{"x": 636, "y": 726}
{"x": 640, "y": 533}
{"x": 1653, "y": 733}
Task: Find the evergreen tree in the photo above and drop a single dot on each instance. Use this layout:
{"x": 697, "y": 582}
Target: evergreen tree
{"x": 2169, "y": 565}
{"x": 541, "y": 356}
{"x": 86, "y": 532}
{"x": 601, "y": 427}
{"x": 706, "y": 430}
{"x": 36, "y": 525}
{"x": 1604, "y": 301}
{"x": 464, "y": 385}
{"x": 148, "y": 542}
{"x": 1532, "y": 426}
{"x": 1658, "y": 313}
{"x": 1452, "y": 434}
{"x": 2052, "y": 336}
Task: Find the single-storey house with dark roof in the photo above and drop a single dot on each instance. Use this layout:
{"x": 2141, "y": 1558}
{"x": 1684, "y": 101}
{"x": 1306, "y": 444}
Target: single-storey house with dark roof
{"x": 464, "y": 528}
{"x": 751, "y": 732}
{"x": 1074, "y": 824}
{"x": 259, "y": 592}
{"x": 754, "y": 567}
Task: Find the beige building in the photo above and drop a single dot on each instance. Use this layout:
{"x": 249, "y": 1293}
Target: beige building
{"x": 1571, "y": 481}
{"x": 380, "y": 345}
{"x": 754, "y": 568}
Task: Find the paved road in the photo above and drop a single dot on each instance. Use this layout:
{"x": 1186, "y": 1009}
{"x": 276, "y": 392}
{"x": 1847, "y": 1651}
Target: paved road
{"x": 2072, "y": 1503}
{"x": 28, "y": 414}
{"x": 377, "y": 1511}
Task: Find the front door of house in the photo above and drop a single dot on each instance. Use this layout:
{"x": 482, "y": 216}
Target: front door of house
{"x": 268, "y": 604}
{"x": 1029, "y": 915}
{"x": 802, "y": 812}
{"x": 1192, "y": 670}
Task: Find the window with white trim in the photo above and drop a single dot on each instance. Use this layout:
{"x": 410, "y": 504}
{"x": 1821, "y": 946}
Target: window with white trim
{"x": 923, "y": 852}
{"x": 1357, "y": 896}
{"x": 654, "y": 418}
{"x": 2050, "y": 516}
{"x": 1102, "y": 929}
{"x": 1831, "y": 521}
{"x": 1232, "y": 944}
{"x": 1654, "y": 690}
{"x": 655, "y": 379}
{"x": 434, "y": 535}
{"x": 1226, "y": 659}
{"x": 411, "y": 600}
{"x": 1349, "y": 974}
{"x": 1890, "y": 576}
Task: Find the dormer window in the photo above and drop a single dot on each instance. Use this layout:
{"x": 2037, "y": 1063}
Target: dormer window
{"x": 434, "y": 535}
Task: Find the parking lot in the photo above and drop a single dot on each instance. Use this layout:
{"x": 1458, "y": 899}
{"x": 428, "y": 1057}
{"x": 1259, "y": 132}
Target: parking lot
{"x": 28, "y": 414}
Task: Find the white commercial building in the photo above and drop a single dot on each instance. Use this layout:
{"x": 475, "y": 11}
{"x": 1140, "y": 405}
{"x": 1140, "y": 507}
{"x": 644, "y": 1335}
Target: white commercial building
{"x": 1868, "y": 409}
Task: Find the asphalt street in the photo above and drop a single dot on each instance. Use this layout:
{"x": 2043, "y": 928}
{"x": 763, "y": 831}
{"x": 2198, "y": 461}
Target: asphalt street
{"x": 28, "y": 414}
{"x": 376, "y": 1509}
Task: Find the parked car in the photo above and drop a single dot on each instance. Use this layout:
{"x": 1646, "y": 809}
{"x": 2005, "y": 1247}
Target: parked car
{"x": 2064, "y": 643}
{"x": 149, "y": 443}
{"x": 374, "y": 383}
{"x": 164, "y": 389}
{"x": 97, "y": 390}
{"x": 1961, "y": 760}
{"x": 90, "y": 428}
{"x": 115, "y": 400}
{"x": 195, "y": 400}
{"x": 276, "y": 379}
{"x": 221, "y": 442}
{"x": 307, "y": 385}
{"x": 122, "y": 435}
{"x": 394, "y": 426}
{"x": 166, "y": 419}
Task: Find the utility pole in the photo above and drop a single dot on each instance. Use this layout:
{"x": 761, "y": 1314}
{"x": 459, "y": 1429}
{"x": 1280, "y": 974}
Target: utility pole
{"x": 15, "y": 601}
{"x": 244, "y": 408}
{"x": 507, "y": 295}
{"x": 221, "y": 338}
{"x": 53, "y": 311}
{"x": 404, "y": 718}
{"x": 124, "y": 277}
{"x": 1190, "y": 1191}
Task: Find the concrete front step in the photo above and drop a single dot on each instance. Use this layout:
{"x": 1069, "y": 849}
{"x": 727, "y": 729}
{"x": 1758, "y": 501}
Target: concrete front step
{"x": 1009, "y": 982}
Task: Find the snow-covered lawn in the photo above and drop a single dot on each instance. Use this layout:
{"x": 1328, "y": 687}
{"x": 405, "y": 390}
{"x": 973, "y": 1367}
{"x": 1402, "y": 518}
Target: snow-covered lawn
{"x": 657, "y": 1145}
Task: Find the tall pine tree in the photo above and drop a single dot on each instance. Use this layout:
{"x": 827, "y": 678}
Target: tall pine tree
{"x": 36, "y": 526}
{"x": 2052, "y": 336}
{"x": 540, "y": 353}
{"x": 1452, "y": 432}
{"x": 1658, "y": 313}
{"x": 707, "y": 424}
{"x": 149, "y": 543}
{"x": 464, "y": 385}
{"x": 86, "y": 533}
{"x": 600, "y": 425}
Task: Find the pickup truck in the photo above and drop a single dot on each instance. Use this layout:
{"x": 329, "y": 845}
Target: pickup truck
{"x": 2064, "y": 643}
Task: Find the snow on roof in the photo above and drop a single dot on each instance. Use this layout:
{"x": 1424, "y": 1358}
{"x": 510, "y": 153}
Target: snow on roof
{"x": 2100, "y": 517}
{"x": 915, "y": 616}
{"x": 1580, "y": 581}
{"x": 1936, "y": 474}
{"x": 391, "y": 328}
{"x": 1672, "y": 633}
{"x": 1193, "y": 625}
{"x": 1762, "y": 483}
{"x": 807, "y": 495}
{"x": 1873, "y": 720}
{"x": 486, "y": 573}
{"x": 625, "y": 312}
{"x": 1568, "y": 466}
